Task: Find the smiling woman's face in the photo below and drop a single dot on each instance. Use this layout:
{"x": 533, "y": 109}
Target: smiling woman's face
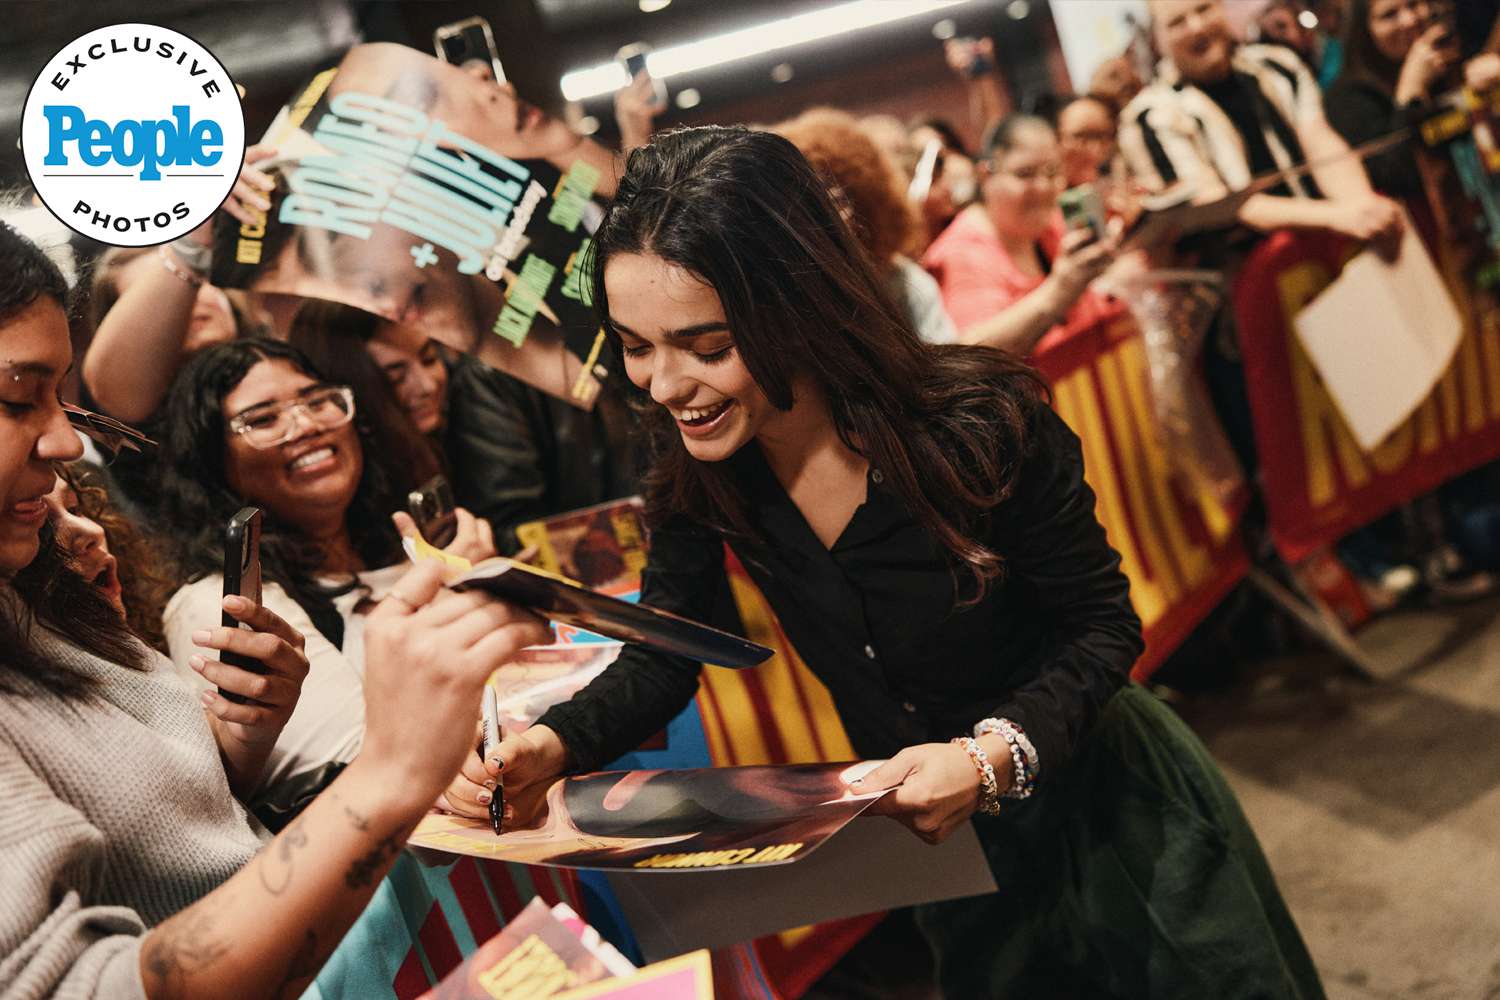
{"x": 34, "y": 432}
{"x": 679, "y": 348}
{"x": 307, "y": 481}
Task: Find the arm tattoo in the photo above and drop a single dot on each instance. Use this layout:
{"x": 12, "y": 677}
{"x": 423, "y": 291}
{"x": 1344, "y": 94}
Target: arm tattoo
{"x": 357, "y": 819}
{"x": 302, "y": 968}
{"x": 275, "y": 862}
{"x": 366, "y": 871}
{"x": 176, "y": 950}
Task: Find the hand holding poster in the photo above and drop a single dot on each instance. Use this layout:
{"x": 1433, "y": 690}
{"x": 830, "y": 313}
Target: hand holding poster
{"x": 428, "y": 196}
{"x": 698, "y": 819}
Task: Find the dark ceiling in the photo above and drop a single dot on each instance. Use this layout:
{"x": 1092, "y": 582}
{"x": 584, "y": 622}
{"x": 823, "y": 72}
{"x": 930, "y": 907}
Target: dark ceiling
{"x": 271, "y": 45}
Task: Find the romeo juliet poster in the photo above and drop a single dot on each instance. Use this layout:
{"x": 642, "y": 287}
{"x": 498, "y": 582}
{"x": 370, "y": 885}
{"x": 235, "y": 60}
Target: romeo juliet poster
{"x": 436, "y": 199}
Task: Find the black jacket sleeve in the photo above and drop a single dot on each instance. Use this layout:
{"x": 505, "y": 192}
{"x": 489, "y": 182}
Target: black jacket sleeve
{"x": 1359, "y": 112}
{"x": 643, "y": 690}
{"x": 496, "y": 446}
{"x": 1053, "y": 543}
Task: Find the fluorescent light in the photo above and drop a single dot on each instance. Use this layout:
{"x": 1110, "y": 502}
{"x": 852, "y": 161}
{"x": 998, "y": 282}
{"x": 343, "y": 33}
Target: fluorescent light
{"x": 689, "y": 98}
{"x": 652, "y": 6}
{"x": 606, "y": 78}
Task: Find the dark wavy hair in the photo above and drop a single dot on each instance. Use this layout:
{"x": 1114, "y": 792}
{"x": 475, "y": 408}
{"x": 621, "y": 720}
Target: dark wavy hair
{"x": 196, "y": 496}
{"x": 50, "y": 594}
{"x": 333, "y": 336}
{"x": 743, "y": 211}
{"x": 145, "y": 583}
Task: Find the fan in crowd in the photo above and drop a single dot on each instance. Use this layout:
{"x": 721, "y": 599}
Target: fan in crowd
{"x": 1008, "y": 272}
{"x": 252, "y": 422}
{"x": 154, "y": 882}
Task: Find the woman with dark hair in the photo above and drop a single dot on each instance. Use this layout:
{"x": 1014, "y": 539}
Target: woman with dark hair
{"x": 109, "y": 551}
{"x": 127, "y": 867}
{"x": 1008, "y": 271}
{"x": 253, "y": 422}
{"x": 1398, "y": 55}
{"x": 1086, "y": 138}
{"x": 335, "y": 339}
{"x": 919, "y": 521}
{"x": 512, "y": 452}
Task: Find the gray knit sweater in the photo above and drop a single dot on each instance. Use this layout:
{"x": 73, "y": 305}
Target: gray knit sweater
{"x": 114, "y": 814}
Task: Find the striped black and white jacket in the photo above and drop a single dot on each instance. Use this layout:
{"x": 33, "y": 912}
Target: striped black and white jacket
{"x": 1175, "y": 133}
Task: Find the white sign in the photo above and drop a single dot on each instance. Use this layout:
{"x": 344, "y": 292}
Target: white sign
{"x": 133, "y": 135}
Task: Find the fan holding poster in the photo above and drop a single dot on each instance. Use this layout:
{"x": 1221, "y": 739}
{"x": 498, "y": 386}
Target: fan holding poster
{"x": 432, "y": 196}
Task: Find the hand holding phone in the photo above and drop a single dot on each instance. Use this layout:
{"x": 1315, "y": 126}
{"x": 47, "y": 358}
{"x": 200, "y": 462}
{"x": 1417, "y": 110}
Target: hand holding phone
{"x": 432, "y": 508}
{"x": 632, "y": 58}
{"x": 1082, "y": 208}
{"x": 465, "y": 41}
{"x": 241, "y": 578}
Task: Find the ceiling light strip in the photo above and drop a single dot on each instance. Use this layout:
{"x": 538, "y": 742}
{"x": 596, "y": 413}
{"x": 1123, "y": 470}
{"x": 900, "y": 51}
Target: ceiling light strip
{"x": 783, "y": 33}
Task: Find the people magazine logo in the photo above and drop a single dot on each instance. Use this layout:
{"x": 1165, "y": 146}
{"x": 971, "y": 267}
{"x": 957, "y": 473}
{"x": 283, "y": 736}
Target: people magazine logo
{"x": 133, "y": 135}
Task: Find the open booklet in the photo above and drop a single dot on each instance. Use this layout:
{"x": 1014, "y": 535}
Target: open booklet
{"x": 559, "y": 599}
{"x": 696, "y": 819}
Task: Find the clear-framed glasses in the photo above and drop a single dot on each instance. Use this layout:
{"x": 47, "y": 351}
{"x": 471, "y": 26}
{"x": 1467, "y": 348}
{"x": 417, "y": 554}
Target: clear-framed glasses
{"x": 1050, "y": 173}
{"x": 323, "y": 407}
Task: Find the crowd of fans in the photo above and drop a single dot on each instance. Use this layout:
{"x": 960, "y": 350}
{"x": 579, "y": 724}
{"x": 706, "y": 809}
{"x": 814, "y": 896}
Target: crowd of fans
{"x": 326, "y": 417}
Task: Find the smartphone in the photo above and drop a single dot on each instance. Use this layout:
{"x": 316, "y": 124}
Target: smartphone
{"x": 632, "y": 58}
{"x": 241, "y": 578}
{"x": 1082, "y": 208}
{"x": 466, "y": 40}
{"x": 431, "y": 507}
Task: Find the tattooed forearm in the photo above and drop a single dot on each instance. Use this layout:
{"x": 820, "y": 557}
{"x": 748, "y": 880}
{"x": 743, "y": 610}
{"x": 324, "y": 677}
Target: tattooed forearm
{"x": 303, "y": 966}
{"x": 174, "y": 951}
{"x": 356, "y": 819}
{"x": 275, "y": 862}
{"x": 367, "y": 870}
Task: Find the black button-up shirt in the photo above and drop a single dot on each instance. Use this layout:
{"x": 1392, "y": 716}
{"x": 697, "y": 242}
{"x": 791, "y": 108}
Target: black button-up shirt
{"x": 875, "y": 616}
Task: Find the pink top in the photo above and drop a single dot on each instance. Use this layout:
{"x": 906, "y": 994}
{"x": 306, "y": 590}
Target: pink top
{"x": 978, "y": 277}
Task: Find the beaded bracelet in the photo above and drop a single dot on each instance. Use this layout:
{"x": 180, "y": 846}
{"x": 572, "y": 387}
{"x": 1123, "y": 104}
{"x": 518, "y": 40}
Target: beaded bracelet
{"x": 1022, "y": 754}
{"x": 173, "y": 265}
{"x": 989, "y": 788}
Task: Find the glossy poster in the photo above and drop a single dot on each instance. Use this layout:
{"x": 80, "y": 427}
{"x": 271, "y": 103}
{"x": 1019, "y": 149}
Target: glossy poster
{"x": 433, "y": 198}
{"x": 696, "y": 819}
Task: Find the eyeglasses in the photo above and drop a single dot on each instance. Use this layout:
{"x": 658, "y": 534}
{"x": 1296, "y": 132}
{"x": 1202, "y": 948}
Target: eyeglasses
{"x": 1049, "y": 174}
{"x": 109, "y": 434}
{"x": 270, "y": 424}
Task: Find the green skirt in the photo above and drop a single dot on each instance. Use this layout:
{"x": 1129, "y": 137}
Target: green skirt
{"x": 1132, "y": 873}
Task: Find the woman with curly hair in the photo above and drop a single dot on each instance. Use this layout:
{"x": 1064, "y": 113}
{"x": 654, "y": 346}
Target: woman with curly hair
{"x": 254, "y": 422}
{"x": 866, "y": 185}
{"x": 107, "y": 550}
